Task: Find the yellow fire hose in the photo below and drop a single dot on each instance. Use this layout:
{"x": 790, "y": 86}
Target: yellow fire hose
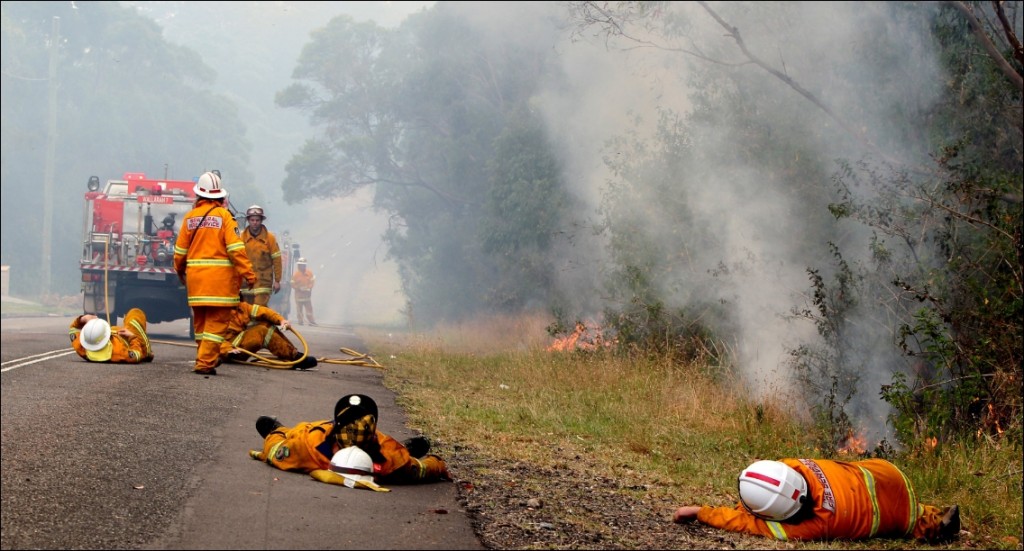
{"x": 263, "y": 360}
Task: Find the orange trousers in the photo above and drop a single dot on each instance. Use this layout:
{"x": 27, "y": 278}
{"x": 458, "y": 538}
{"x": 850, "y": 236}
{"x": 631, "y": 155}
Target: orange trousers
{"x": 211, "y": 324}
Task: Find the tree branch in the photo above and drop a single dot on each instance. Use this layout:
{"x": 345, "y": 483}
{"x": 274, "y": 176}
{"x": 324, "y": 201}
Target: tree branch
{"x": 989, "y": 46}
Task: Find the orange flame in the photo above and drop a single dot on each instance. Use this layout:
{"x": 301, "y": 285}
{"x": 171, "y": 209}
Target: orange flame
{"x": 853, "y": 444}
{"x": 581, "y": 338}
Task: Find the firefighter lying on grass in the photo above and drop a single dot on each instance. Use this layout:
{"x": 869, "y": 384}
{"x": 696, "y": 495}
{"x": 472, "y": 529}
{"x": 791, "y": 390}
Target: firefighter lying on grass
{"x": 309, "y": 447}
{"x": 252, "y": 328}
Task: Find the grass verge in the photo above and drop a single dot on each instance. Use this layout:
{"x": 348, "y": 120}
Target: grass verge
{"x": 680, "y": 432}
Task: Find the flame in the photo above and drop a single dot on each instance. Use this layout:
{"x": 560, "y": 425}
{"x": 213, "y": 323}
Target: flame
{"x": 582, "y": 338}
{"x": 853, "y": 444}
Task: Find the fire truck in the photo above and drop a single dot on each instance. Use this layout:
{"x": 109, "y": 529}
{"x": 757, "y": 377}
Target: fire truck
{"x": 130, "y": 226}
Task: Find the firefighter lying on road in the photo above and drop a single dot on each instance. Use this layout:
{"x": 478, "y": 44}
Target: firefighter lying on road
{"x": 96, "y": 341}
{"x": 252, "y": 328}
{"x": 308, "y": 447}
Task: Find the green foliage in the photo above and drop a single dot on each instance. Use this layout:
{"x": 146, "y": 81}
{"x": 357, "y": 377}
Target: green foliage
{"x": 957, "y": 229}
{"x": 436, "y": 117}
{"x": 827, "y": 372}
{"x": 674, "y": 426}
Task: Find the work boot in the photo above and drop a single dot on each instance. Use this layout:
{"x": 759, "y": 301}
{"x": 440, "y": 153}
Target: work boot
{"x": 265, "y": 425}
{"x": 307, "y": 363}
{"x": 211, "y": 371}
{"x": 949, "y": 530}
{"x": 418, "y": 446}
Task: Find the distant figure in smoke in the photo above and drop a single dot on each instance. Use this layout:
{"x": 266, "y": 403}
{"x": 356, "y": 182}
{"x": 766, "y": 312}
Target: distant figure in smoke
{"x": 302, "y": 282}
{"x": 821, "y": 499}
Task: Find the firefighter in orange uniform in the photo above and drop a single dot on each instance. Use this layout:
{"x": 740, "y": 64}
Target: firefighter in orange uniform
{"x": 309, "y": 446}
{"x": 210, "y": 260}
{"x": 265, "y": 255}
{"x": 96, "y": 341}
{"x": 253, "y": 327}
{"x": 821, "y": 499}
{"x": 302, "y": 282}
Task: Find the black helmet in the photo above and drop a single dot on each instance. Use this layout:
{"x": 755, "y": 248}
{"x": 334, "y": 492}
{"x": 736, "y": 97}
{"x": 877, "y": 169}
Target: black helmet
{"x": 352, "y": 407}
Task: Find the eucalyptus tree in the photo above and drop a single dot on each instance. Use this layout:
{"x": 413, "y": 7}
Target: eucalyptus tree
{"x": 927, "y": 163}
{"x": 416, "y": 113}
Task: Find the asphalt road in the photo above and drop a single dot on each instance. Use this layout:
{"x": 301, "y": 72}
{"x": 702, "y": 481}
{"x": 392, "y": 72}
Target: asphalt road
{"x": 152, "y": 456}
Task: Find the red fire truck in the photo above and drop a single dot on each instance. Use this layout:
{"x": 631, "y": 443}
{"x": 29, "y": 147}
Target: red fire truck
{"x": 130, "y": 226}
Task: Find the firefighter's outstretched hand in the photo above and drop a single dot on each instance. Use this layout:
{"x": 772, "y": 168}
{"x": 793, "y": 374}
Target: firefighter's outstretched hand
{"x": 125, "y": 333}
{"x": 685, "y": 514}
{"x": 284, "y": 325}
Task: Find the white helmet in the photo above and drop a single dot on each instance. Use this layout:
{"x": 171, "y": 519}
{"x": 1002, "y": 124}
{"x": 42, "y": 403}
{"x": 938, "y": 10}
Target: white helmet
{"x": 356, "y": 467}
{"x": 772, "y": 490}
{"x": 95, "y": 339}
{"x": 301, "y": 260}
{"x": 208, "y": 185}
{"x": 255, "y": 210}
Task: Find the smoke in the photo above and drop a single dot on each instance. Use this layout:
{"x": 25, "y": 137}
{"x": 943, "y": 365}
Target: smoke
{"x": 764, "y": 235}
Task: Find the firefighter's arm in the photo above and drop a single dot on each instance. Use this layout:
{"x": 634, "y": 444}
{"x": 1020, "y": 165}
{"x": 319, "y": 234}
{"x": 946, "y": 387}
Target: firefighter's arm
{"x": 430, "y": 468}
{"x": 268, "y": 315}
{"x": 77, "y": 324}
{"x": 278, "y": 265}
{"x": 236, "y": 250}
{"x": 734, "y": 519}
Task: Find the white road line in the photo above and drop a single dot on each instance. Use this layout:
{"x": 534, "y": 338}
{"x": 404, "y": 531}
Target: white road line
{"x": 21, "y": 362}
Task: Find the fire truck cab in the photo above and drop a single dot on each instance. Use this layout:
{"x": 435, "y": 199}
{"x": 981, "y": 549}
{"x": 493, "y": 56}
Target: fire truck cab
{"x": 130, "y": 226}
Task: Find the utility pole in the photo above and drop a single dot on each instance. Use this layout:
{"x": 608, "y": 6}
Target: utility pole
{"x": 51, "y": 153}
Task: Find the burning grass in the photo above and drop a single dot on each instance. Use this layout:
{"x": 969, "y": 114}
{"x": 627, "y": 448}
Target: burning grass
{"x": 510, "y": 415}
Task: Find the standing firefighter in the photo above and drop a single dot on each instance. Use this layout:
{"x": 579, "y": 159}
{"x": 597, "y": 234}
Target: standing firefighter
{"x": 265, "y": 255}
{"x": 302, "y": 283}
{"x": 210, "y": 260}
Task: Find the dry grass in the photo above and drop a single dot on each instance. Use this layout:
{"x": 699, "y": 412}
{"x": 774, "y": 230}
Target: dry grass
{"x": 490, "y": 393}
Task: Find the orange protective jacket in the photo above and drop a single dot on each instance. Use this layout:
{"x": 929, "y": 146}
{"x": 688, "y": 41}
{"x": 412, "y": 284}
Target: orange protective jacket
{"x": 265, "y": 255}
{"x": 309, "y": 446}
{"x": 852, "y": 500}
{"x": 252, "y": 327}
{"x": 302, "y": 283}
{"x": 133, "y": 350}
{"x": 211, "y": 259}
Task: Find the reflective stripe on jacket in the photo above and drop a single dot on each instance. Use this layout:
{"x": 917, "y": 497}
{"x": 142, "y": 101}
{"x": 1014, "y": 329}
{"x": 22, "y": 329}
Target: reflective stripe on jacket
{"x": 852, "y": 500}
{"x": 212, "y": 258}
{"x": 265, "y": 256}
{"x": 132, "y": 350}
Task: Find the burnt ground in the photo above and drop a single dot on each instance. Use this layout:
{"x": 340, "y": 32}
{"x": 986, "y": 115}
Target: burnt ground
{"x": 575, "y": 505}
